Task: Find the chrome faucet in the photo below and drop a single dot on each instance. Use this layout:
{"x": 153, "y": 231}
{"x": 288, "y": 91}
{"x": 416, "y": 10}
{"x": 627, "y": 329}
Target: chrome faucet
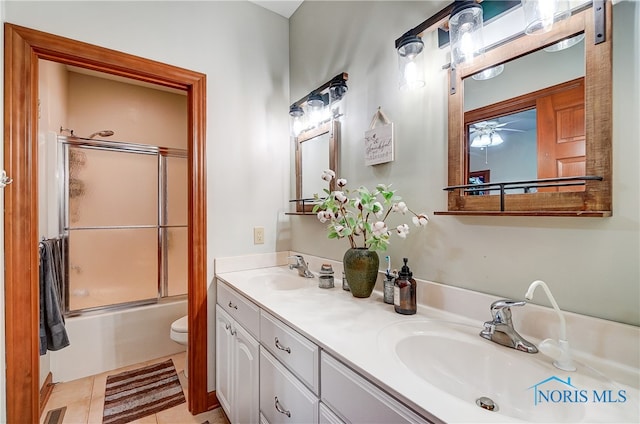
{"x": 301, "y": 266}
{"x": 500, "y": 330}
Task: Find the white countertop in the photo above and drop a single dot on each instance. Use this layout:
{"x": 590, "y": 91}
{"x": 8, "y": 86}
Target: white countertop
{"x": 349, "y": 328}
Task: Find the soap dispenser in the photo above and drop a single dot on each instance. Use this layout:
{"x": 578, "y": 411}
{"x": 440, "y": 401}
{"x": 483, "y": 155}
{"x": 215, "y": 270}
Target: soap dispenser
{"x": 404, "y": 294}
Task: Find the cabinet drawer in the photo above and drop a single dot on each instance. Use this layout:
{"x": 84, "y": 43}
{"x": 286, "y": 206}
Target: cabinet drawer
{"x": 357, "y": 400}
{"x": 241, "y": 309}
{"x": 283, "y": 398}
{"x": 295, "y": 351}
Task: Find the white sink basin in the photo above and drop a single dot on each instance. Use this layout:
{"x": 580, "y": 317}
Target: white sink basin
{"x": 455, "y": 359}
{"x": 283, "y": 279}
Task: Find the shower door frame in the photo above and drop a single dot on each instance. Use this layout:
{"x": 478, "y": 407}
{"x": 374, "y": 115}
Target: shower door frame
{"x": 161, "y": 154}
{"x": 23, "y": 48}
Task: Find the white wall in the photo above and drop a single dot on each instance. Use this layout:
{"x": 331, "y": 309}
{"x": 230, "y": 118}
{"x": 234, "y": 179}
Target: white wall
{"x": 591, "y": 264}
{"x": 243, "y": 50}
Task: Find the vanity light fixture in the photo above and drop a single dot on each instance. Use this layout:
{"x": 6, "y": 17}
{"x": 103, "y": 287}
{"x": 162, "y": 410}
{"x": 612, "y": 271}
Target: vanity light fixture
{"x": 409, "y": 48}
{"x": 319, "y": 106}
{"x": 468, "y": 18}
{"x": 316, "y": 108}
{"x": 540, "y": 15}
{"x": 337, "y": 89}
{"x": 465, "y": 32}
{"x": 297, "y": 119}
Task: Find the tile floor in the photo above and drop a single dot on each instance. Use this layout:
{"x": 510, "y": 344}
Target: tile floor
{"x": 84, "y": 399}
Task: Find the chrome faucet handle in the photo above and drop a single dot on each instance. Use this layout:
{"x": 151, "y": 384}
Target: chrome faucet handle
{"x": 501, "y": 310}
{"x": 301, "y": 266}
{"x": 500, "y": 330}
{"x": 299, "y": 261}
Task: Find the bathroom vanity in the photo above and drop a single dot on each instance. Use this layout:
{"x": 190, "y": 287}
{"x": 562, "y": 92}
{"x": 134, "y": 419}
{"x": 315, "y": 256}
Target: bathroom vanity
{"x": 289, "y": 352}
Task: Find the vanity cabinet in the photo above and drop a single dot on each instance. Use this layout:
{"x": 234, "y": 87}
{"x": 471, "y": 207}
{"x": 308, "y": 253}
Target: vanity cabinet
{"x": 357, "y": 400}
{"x": 287, "y": 378}
{"x": 237, "y": 361}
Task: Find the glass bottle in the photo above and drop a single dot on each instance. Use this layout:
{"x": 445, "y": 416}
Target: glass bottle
{"x": 404, "y": 294}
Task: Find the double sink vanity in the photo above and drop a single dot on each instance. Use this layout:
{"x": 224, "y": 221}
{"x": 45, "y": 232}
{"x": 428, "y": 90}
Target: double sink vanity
{"x": 288, "y": 351}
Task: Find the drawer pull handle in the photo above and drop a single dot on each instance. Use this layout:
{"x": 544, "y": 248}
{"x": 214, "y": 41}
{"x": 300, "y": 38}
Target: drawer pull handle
{"x": 231, "y": 305}
{"x": 228, "y": 327}
{"x": 281, "y": 410}
{"x": 279, "y": 346}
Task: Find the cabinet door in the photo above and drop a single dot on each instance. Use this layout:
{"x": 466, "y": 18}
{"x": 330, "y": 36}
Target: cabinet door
{"x": 224, "y": 343}
{"x": 245, "y": 377}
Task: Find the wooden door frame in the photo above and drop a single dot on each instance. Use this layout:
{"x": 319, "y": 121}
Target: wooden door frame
{"x": 23, "y": 48}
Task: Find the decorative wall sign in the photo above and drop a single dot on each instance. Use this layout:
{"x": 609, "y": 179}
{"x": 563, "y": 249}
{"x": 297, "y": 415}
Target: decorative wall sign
{"x": 378, "y": 141}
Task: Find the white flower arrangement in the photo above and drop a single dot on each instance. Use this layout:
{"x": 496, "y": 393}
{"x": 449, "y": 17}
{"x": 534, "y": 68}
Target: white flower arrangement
{"x": 350, "y": 217}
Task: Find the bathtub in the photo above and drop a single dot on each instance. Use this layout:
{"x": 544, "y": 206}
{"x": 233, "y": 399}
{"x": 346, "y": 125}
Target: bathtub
{"x": 109, "y": 340}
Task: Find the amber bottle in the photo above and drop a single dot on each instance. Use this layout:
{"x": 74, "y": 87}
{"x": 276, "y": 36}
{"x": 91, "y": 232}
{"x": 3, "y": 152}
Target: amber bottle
{"x": 404, "y": 294}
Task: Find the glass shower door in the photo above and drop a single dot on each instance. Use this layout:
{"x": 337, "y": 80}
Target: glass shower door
{"x": 112, "y": 227}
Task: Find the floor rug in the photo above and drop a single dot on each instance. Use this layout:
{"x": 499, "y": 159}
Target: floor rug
{"x": 144, "y": 391}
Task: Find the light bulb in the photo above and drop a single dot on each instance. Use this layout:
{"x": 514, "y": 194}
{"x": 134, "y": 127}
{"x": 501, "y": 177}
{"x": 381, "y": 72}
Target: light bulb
{"x": 297, "y": 126}
{"x": 484, "y": 141}
{"x": 411, "y": 76}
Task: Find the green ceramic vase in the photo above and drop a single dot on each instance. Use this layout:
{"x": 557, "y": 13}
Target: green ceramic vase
{"x": 361, "y": 270}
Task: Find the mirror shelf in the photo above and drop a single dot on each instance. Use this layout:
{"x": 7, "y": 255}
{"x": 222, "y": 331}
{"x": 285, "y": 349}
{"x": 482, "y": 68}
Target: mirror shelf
{"x": 593, "y": 198}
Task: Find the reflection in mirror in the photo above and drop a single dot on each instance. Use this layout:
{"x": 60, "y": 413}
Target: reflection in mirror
{"x": 314, "y": 160}
{"x": 316, "y": 151}
{"x": 509, "y": 152}
{"x": 570, "y": 101}
{"x": 502, "y": 137}
{"x": 535, "y": 71}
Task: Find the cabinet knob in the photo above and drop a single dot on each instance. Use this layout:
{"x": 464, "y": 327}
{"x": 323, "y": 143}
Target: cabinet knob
{"x": 281, "y": 410}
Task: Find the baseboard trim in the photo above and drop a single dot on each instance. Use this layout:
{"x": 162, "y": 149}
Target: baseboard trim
{"x": 45, "y": 391}
{"x": 212, "y": 401}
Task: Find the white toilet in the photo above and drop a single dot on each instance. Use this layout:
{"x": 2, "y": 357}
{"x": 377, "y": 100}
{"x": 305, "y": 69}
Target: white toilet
{"x": 180, "y": 334}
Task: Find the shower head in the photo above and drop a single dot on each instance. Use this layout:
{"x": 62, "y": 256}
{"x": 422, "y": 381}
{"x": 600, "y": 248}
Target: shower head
{"x": 103, "y": 133}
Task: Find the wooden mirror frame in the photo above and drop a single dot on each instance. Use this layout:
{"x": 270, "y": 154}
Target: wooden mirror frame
{"x": 595, "y": 200}
{"x": 333, "y": 129}
{"x": 23, "y": 48}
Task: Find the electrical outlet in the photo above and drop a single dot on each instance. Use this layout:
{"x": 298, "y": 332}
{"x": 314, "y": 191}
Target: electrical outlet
{"x": 258, "y": 235}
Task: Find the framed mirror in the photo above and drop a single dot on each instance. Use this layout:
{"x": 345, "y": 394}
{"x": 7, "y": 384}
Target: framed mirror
{"x": 316, "y": 151}
{"x": 512, "y": 128}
